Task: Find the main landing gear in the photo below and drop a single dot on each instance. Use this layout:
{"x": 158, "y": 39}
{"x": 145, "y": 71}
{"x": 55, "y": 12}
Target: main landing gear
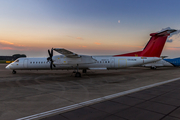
{"x": 154, "y": 67}
{"x": 13, "y": 72}
{"x": 78, "y": 74}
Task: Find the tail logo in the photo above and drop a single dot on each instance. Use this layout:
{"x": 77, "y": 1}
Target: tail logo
{"x": 136, "y": 55}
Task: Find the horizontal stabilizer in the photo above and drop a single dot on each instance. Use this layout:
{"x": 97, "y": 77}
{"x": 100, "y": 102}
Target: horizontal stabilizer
{"x": 163, "y": 33}
{"x": 164, "y": 57}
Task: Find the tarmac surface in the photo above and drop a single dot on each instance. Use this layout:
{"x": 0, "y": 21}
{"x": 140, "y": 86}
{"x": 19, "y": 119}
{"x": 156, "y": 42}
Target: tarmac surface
{"x": 31, "y": 92}
{"x": 157, "y": 103}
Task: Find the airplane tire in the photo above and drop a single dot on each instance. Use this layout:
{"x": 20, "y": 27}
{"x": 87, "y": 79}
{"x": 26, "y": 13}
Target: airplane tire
{"x": 13, "y": 72}
{"x": 78, "y": 74}
{"x": 154, "y": 68}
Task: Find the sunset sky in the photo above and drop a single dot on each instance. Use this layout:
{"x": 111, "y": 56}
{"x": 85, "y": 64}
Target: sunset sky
{"x": 92, "y": 27}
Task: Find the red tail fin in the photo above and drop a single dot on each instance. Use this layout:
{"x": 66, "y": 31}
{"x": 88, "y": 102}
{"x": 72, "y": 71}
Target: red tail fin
{"x": 154, "y": 47}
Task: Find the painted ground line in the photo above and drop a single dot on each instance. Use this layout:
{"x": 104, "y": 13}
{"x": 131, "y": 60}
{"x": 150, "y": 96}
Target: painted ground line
{"x": 90, "y": 102}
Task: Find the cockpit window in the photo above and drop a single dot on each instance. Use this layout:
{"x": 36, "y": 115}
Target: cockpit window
{"x": 16, "y": 61}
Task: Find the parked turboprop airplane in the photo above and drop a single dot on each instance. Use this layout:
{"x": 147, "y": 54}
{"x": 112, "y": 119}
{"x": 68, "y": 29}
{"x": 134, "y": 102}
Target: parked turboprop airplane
{"x": 175, "y": 62}
{"x": 70, "y": 60}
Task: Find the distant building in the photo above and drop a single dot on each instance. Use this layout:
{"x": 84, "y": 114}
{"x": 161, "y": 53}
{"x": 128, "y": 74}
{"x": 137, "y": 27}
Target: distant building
{"x": 12, "y": 58}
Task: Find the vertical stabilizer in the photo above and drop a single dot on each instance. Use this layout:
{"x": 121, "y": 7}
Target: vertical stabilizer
{"x": 155, "y": 45}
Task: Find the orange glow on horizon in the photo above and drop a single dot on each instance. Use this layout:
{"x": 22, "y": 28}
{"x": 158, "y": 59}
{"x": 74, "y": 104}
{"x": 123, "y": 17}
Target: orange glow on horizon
{"x": 97, "y": 43}
{"x": 6, "y": 42}
{"x": 80, "y": 38}
{"x": 6, "y": 48}
{"x": 173, "y": 48}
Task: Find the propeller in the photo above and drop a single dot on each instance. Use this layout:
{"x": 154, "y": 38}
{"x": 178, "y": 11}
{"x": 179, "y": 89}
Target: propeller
{"x": 50, "y": 58}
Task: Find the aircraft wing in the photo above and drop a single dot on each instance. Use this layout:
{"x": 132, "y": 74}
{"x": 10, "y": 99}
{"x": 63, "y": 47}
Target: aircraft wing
{"x": 67, "y": 53}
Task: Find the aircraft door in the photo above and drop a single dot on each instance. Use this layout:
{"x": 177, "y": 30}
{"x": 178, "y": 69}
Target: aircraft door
{"x": 25, "y": 63}
{"x": 122, "y": 62}
{"x": 112, "y": 62}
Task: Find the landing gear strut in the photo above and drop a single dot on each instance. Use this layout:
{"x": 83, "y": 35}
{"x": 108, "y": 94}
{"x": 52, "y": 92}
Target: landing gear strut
{"x": 84, "y": 70}
{"x": 77, "y": 74}
{"x": 13, "y": 72}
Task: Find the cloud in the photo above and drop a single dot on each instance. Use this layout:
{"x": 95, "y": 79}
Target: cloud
{"x": 6, "y": 48}
{"x": 173, "y": 36}
{"x": 83, "y": 46}
{"x": 80, "y": 38}
{"x": 6, "y": 42}
{"x": 169, "y": 40}
{"x": 97, "y": 43}
{"x": 119, "y": 21}
{"x": 163, "y": 29}
{"x": 6, "y": 45}
{"x": 173, "y": 48}
{"x": 133, "y": 46}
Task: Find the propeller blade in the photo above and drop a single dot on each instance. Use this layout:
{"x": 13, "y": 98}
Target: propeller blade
{"x": 50, "y": 58}
{"x": 51, "y": 65}
{"x": 49, "y": 53}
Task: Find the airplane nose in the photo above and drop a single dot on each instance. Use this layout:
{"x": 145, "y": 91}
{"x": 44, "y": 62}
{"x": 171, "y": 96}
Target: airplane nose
{"x": 8, "y": 67}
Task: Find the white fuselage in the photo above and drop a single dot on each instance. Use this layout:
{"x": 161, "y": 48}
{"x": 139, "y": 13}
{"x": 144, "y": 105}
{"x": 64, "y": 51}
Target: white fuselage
{"x": 160, "y": 63}
{"x": 93, "y": 62}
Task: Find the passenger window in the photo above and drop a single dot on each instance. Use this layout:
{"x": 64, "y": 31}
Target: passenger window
{"x": 33, "y": 62}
